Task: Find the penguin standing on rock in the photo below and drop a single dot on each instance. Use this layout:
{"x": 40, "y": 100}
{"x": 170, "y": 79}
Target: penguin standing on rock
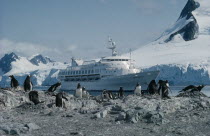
{"x": 14, "y": 83}
{"x": 54, "y": 87}
{"x": 78, "y": 92}
{"x": 107, "y": 94}
{"x": 59, "y": 102}
{"x": 137, "y": 90}
{"x": 28, "y": 86}
{"x": 163, "y": 89}
{"x": 152, "y": 87}
{"x": 34, "y": 97}
{"x": 85, "y": 94}
{"x": 121, "y": 92}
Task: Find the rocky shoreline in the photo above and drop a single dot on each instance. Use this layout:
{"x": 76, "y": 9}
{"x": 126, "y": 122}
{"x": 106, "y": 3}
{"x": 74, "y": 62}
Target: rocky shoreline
{"x": 187, "y": 114}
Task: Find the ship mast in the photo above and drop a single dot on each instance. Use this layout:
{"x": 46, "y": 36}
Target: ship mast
{"x": 112, "y": 46}
{"x": 130, "y": 57}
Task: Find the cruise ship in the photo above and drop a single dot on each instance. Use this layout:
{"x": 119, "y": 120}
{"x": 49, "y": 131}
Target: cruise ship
{"x": 108, "y": 73}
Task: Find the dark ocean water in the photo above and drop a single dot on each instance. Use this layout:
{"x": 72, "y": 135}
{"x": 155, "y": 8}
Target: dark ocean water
{"x": 174, "y": 90}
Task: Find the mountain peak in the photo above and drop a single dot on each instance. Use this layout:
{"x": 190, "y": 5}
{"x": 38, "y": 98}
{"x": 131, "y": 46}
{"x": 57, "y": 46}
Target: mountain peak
{"x": 186, "y": 27}
{"x": 11, "y": 55}
{"x": 189, "y": 7}
{"x": 5, "y": 62}
{"x": 38, "y": 58}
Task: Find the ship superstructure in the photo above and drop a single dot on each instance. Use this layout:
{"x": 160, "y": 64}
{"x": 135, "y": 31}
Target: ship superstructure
{"x": 107, "y": 73}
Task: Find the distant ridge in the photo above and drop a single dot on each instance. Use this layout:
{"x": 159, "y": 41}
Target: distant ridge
{"x": 37, "y": 59}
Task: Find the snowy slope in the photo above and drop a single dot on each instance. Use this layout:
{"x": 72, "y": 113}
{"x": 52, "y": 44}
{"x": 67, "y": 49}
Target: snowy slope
{"x": 179, "y": 53}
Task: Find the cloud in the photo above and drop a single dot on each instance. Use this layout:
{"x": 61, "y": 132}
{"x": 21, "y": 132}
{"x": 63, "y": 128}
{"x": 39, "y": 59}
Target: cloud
{"x": 29, "y": 49}
{"x": 61, "y": 53}
{"x": 153, "y": 6}
{"x": 71, "y": 48}
{"x": 22, "y": 48}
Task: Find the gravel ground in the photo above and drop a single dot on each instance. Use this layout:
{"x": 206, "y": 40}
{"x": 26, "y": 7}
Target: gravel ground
{"x": 187, "y": 115}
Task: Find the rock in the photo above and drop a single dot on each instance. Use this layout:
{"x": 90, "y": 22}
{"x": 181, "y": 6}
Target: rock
{"x": 154, "y": 117}
{"x": 84, "y": 110}
{"x": 32, "y": 126}
{"x": 2, "y": 132}
{"x": 121, "y": 116}
{"x": 101, "y": 114}
{"x": 117, "y": 108}
{"x": 191, "y": 94}
{"x": 134, "y": 116}
{"x": 14, "y": 132}
{"x": 13, "y": 128}
{"x": 77, "y": 133}
{"x": 5, "y": 129}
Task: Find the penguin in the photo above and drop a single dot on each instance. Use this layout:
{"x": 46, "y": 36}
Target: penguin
{"x": 159, "y": 86}
{"x": 107, "y": 94}
{"x": 78, "y": 92}
{"x": 34, "y": 97}
{"x": 104, "y": 94}
{"x": 199, "y": 88}
{"x": 137, "y": 90}
{"x": 163, "y": 89}
{"x": 28, "y": 86}
{"x": 111, "y": 96}
{"x": 121, "y": 93}
{"x": 54, "y": 87}
{"x": 192, "y": 88}
{"x": 85, "y": 94}
{"x": 14, "y": 83}
{"x": 152, "y": 87}
{"x": 59, "y": 99}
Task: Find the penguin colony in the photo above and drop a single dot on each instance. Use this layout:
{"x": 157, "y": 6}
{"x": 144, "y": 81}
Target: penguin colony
{"x": 161, "y": 88}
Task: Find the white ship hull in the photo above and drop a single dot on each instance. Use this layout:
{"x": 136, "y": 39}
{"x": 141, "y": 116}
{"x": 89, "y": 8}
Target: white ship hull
{"x": 128, "y": 82}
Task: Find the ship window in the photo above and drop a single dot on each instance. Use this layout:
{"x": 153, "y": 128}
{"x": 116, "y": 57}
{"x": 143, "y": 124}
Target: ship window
{"x": 97, "y": 70}
{"x": 86, "y": 72}
{"x": 82, "y": 72}
{"x": 79, "y": 72}
{"x": 89, "y": 71}
{"x": 92, "y": 71}
{"x": 76, "y": 72}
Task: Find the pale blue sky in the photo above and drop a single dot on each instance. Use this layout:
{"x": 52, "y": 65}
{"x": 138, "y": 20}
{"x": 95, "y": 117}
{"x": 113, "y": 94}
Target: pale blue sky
{"x": 61, "y": 29}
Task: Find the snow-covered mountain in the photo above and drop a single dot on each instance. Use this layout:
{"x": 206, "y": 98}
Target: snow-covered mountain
{"x": 39, "y": 59}
{"x": 43, "y": 70}
{"x": 182, "y": 52}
